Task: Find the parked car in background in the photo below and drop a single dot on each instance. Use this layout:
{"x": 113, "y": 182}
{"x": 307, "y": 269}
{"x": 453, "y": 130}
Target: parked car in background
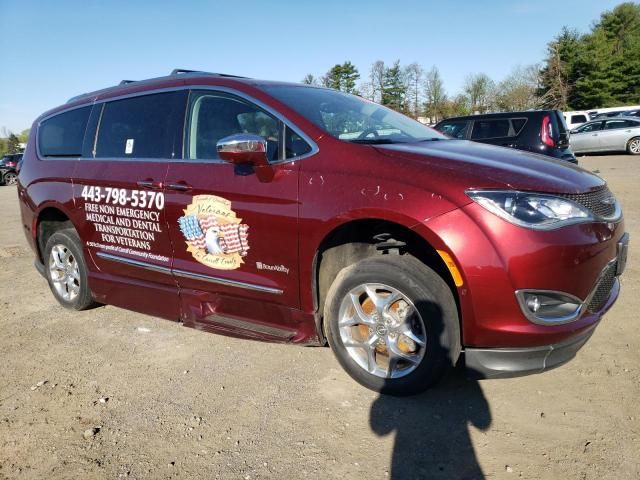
{"x": 539, "y": 131}
{"x": 630, "y": 113}
{"x": 617, "y": 134}
{"x": 575, "y": 119}
{"x": 615, "y": 113}
{"x": 9, "y": 168}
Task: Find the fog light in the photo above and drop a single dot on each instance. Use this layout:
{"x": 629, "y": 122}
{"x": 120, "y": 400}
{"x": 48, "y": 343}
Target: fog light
{"x": 549, "y": 307}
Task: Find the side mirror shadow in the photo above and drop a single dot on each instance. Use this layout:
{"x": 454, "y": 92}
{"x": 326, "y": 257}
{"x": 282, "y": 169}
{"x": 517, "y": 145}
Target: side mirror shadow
{"x": 246, "y": 150}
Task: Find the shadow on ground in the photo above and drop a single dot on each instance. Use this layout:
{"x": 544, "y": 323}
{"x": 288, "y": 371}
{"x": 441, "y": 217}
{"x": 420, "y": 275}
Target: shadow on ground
{"x": 432, "y": 430}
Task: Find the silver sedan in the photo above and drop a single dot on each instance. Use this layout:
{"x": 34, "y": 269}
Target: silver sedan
{"x": 615, "y": 134}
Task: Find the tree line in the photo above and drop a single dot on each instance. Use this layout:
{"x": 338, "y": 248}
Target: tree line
{"x": 10, "y": 142}
{"x": 580, "y": 71}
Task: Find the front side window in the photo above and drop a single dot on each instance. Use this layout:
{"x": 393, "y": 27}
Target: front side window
{"x": 590, "y": 127}
{"x": 148, "y": 126}
{"x": 351, "y": 118}
{"x": 214, "y": 116}
{"x": 62, "y": 135}
{"x": 483, "y": 129}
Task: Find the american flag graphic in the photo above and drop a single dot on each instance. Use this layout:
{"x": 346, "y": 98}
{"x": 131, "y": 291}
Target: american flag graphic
{"x": 232, "y": 238}
{"x": 192, "y": 231}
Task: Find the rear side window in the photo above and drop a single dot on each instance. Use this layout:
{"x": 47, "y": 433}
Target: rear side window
{"x": 149, "y": 126}
{"x": 490, "y": 129}
{"x": 62, "y": 135}
{"x": 518, "y": 124}
{"x": 578, "y": 119}
{"x": 454, "y": 128}
{"x": 613, "y": 124}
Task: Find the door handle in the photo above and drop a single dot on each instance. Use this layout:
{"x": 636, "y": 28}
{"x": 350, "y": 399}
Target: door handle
{"x": 150, "y": 184}
{"x": 179, "y": 186}
{"x": 594, "y": 134}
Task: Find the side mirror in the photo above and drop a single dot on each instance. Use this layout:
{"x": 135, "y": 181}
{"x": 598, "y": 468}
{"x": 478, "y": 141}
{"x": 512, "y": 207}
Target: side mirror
{"x": 248, "y": 152}
{"x": 243, "y": 149}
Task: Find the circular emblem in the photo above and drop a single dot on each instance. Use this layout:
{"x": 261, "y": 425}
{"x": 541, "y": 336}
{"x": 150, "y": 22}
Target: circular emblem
{"x": 381, "y": 329}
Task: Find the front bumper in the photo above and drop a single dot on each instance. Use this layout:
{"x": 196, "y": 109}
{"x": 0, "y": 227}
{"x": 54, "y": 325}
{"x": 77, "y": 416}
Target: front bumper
{"x": 514, "y": 362}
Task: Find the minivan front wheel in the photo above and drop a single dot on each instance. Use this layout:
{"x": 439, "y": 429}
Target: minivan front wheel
{"x": 392, "y": 323}
{"x": 633, "y": 147}
{"x": 66, "y": 270}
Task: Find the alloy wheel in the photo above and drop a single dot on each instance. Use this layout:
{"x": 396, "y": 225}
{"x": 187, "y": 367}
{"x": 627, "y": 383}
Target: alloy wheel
{"x": 10, "y": 179}
{"x": 634, "y": 146}
{"x": 382, "y": 330}
{"x": 64, "y": 271}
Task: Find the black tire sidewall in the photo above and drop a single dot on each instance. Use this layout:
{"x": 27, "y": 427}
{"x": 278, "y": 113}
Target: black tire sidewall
{"x": 70, "y": 240}
{"x": 429, "y": 294}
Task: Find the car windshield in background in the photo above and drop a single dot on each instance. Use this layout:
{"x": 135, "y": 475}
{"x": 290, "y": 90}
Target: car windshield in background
{"x": 351, "y": 118}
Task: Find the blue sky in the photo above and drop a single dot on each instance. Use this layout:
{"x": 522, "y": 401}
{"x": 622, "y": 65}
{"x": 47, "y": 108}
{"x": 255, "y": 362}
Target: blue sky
{"x": 56, "y": 49}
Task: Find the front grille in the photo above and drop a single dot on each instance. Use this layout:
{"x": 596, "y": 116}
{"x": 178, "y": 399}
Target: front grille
{"x": 593, "y": 201}
{"x": 605, "y": 285}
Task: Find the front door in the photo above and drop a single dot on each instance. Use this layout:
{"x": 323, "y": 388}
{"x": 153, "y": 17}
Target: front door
{"x": 235, "y": 235}
{"x": 120, "y": 201}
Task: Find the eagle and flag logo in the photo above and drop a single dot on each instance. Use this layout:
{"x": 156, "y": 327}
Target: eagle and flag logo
{"x": 214, "y": 235}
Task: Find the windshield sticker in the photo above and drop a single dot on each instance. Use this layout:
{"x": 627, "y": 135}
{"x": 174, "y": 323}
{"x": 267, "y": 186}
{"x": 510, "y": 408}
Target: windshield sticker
{"x": 214, "y": 235}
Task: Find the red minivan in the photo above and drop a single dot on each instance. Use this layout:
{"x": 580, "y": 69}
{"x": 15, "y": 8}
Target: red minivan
{"x": 293, "y": 213}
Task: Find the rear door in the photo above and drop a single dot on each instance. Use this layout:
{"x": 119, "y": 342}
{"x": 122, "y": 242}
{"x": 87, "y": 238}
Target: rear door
{"x": 120, "y": 200}
{"x": 616, "y": 133}
{"x": 235, "y": 235}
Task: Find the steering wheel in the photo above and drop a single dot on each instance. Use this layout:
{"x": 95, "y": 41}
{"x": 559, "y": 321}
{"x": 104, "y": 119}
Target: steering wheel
{"x": 367, "y": 132}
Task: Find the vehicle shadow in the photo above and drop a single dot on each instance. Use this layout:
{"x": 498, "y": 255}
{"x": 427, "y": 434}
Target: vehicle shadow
{"x": 432, "y": 438}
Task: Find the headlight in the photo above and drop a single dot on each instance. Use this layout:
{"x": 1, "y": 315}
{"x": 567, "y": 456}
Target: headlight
{"x": 538, "y": 211}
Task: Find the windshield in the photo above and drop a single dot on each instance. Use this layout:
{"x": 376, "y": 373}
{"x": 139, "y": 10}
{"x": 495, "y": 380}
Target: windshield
{"x": 351, "y": 118}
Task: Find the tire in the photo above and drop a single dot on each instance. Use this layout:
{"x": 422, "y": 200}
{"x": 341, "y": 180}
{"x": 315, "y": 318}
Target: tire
{"x": 633, "y": 146}
{"x": 66, "y": 270}
{"x": 417, "y": 299}
{"x": 10, "y": 178}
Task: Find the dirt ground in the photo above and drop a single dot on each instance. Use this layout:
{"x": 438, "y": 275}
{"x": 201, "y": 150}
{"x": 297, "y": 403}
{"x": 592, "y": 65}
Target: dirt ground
{"x": 109, "y": 393}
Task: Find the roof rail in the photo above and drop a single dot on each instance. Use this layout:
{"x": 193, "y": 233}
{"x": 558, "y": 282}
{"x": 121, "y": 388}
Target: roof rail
{"x": 180, "y": 71}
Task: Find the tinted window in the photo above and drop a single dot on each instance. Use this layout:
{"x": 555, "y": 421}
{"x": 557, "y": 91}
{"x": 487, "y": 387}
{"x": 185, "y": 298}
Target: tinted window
{"x": 294, "y": 145}
{"x": 62, "y": 135}
{"x": 518, "y": 124}
{"x": 614, "y": 124}
{"x": 213, "y": 116}
{"x": 578, "y": 119}
{"x": 590, "y": 127}
{"x": 142, "y": 127}
{"x": 490, "y": 129}
{"x": 455, "y": 129}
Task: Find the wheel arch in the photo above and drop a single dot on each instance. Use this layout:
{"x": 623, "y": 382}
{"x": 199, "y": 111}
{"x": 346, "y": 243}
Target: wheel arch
{"x": 357, "y": 239}
{"x": 49, "y": 219}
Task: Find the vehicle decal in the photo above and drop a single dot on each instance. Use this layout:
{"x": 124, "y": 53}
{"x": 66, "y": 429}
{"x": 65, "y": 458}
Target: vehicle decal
{"x": 214, "y": 235}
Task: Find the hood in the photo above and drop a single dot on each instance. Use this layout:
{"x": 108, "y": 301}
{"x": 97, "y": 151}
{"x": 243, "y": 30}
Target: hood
{"x": 480, "y": 166}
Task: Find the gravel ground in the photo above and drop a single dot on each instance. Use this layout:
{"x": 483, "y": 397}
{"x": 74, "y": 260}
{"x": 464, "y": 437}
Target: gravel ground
{"x": 109, "y": 393}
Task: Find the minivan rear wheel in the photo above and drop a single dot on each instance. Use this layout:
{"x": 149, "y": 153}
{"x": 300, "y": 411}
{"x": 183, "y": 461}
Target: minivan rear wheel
{"x": 633, "y": 146}
{"x": 66, "y": 270}
{"x": 392, "y": 323}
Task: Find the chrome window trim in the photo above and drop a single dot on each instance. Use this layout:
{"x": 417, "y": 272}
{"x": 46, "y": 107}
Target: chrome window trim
{"x": 520, "y": 295}
{"x": 185, "y": 274}
{"x": 194, "y": 87}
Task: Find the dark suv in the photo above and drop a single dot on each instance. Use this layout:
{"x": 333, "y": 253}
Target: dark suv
{"x": 538, "y": 131}
{"x": 9, "y": 168}
{"x": 293, "y": 213}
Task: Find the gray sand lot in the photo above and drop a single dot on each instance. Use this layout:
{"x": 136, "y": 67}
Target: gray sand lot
{"x": 109, "y": 393}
